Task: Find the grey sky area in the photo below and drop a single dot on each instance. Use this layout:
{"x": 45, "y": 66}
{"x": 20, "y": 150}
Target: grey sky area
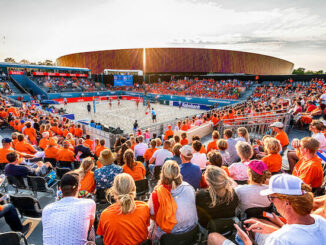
{"x": 36, "y": 30}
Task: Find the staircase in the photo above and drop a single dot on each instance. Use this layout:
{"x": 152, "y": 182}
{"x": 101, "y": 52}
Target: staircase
{"x": 30, "y": 86}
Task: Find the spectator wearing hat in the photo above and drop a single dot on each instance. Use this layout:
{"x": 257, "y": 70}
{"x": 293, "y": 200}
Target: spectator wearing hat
{"x": 249, "y": 194}
{"x": 69, "y": 220}
{"x": 280, "y": 133}
{"x": 104, "y": 176}
{"x": 191, "y": 173}
{"x": 160, "y": 156}
{"x": 294, "y": 201}
{"x": 169, "y": 133}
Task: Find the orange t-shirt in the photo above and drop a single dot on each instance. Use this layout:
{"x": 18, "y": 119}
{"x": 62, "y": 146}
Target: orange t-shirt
{"x": 99, "y": 164}
{"x": 149, "y": 153}
{"x": 43, "y": 143}
{"x": 65, "y": 132}
{"x": 184, "y": 141}
{"x": 273, "y": 162}
{"x": 23, "y": 146}
{"x": 99, "y": 149}
{"x": 283, "y": 138}
{"x": 124, "y": 229}
{"x": 89, "y": 143}
{"x": 78, "y": 132}
{"x": 311, "y": 172}
{"x": 167, "y": 134}
{"x": 31, "y": 133}
{"x": 88, "y": 182}
{"x": 3, "y": 155}
{"x": 212, "y": 146}
{"x": 51, "y": 152}
{"x": 66, "y": 155}
{"x": 202, "y": 149}
{"x": 138, "y": 173}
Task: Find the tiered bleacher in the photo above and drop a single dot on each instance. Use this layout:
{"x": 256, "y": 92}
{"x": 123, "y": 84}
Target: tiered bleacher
{"x": 253, "y": 182}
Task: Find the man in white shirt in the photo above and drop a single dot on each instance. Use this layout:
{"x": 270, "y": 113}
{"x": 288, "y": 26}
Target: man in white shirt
{"x": 227, "y": 134}
{"x": 69, "y": 220}
{"x": 160, "y": 156}
{"x": 141, "y": 147}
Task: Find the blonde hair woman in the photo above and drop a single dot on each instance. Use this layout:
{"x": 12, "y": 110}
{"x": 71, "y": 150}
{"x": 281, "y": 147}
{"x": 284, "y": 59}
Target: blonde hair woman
{"x": 125, "y": 221}
{"x": 274, "y": 159}
{"x": 86, "y": 175}
{"x": 172, "y": 203}
{"x": 243, "y": 135}
{"x": 104, "y": 176}
{"x": 219, "y": 200}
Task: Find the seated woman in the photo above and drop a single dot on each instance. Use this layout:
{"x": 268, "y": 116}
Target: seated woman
{"x": 126, "y": 221}
{"x": 273, "y": 160}
{"x": 243, "y": 135}
{"x": 134, "y": 168}
{"x": 172, "y": 204}
{"x": 104, "y": 176}
{"x": 306, "y": 118}
{"x": 215, "y": 158}
{"x": 219, "y": 200}
{"x": 176, "y": 154}
{"x": 86, "y": 175}
{"x": 249, "y": 195}
{"x": 238, "y": 170}
{"x": 198, "y": 158}
{"x": 222, "y": 146}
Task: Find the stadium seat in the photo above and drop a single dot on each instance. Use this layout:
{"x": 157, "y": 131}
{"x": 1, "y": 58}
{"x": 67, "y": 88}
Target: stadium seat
{"x": 223, "y": 226}
{"x": 146, "y": 242}
{"x": 12, "y": 238}
{"x": 65, "y": 164}
{"x": 187, "y": 238}
{"x": 2, "y": 167}
{"x": 52, "y": 161}
{"x": 142, "y": 188}
{"x": 241, "y": 182}
{"x": 27, "y": 205}
{"x": 102, "y": 197}
{"x": 38, "y": 184}
{"x": 257, "y": 212}
{"x": 17, "y": 182}
{"x": 61, "y": 172}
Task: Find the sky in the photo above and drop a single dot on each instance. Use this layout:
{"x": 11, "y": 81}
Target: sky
{"x": 294, "y": 30}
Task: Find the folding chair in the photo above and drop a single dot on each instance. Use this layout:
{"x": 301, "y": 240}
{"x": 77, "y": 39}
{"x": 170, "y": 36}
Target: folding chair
{"x": 188, "y": 238}
{"x": 12, "y": 238}
{"x": 17, "y": 182}
{"x": 65, "y": 164}
{"x": 61, "y": 172}
{"x": 146, "y": 242}
{"x": 142, "y": 188}
{"x": 224, "y": 226}
{"x": 27, "y": 205}
{"x": 38, "y": 184}
{"x": 53, "y": 161}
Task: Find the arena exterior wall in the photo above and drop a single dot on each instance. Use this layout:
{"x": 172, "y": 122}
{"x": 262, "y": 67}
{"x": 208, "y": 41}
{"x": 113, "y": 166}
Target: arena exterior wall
{"x": 178, "y": 60}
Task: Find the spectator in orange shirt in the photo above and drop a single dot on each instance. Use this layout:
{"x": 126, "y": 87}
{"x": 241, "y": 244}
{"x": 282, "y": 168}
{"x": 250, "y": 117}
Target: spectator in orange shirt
{"x": 52, "y": 149}
{"x": 78, "y": 131}
{"x": 100, "y": 148}
{"x": 44, "y": 141}
{"x": 309, "y": 167}
{"x": 23, "y": 146}
{"x": 88, "y": 142}
{"x": 168, "y": 134}
{"x": 71, "y": 139}
{"x": 273, "y": 160}
{"x": 66, "y": 154}
{"x": 134, "y": 168}
{"x": 14, "y": 139}
{"x": 280, "y": 134}
{"x": 150, "y": 151}
{"x": 86, "y": 175}
{"x": 184, "y": 140}
{"x": 196, "y": 137}
{"x": 213, "y": 145}
{"x": 126, "y": 221}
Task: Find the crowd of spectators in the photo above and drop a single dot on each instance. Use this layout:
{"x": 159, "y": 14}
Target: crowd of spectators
{"x": 230, "y": 177}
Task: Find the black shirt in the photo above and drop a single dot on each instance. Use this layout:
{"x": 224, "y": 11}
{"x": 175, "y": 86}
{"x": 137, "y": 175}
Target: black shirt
{"x": 18, "y": 170}
{"x": 206, "y": 213}
{"x": 86, "y": 152}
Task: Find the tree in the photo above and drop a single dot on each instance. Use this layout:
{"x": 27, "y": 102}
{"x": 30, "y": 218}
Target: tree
{"x": 24, "y": 62}
{"x": 299, "y": 71}
{"x": 48, "y": 63}
{"x": 9, "y": 60}
{"x": 40, "y": 63}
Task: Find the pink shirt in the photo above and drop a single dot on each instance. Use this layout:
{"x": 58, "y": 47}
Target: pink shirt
{"x": 238, "y": 171}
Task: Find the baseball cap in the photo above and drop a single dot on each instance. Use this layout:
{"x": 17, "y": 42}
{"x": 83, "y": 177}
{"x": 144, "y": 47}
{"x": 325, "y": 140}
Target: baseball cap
{"x": 186, "y": 151}
{"x": 284, "y": 184}
{"x": 69, "y": 179}
{"x": 6, "y": 140}
{"x": 257, "y": 166}
{"x": 277, "y": 125}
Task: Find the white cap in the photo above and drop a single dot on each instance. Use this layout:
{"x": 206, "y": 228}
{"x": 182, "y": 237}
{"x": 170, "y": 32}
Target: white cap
{"x": 277, "y": 125}
{"x": 186, "y": 151}
{"x": 284, "y": 184}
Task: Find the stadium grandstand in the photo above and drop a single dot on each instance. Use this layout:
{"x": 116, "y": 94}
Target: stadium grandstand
{"x": 134, "y": 154}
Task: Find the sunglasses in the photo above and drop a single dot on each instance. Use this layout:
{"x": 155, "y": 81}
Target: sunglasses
{"x": 270, "y": 198}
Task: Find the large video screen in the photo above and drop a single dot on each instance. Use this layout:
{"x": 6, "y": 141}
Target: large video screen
{"x": 123, "y": 80}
